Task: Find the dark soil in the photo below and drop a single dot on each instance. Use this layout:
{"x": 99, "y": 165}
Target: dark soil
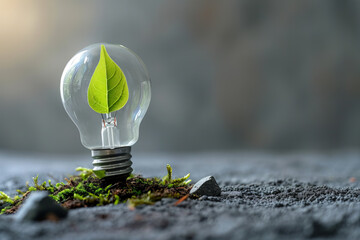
{"x": 287, "y": 193}
{"x": 275, "y": 197}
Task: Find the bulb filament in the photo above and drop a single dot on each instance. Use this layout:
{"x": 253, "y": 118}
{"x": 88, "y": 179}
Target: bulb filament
{"x": 110, "y": 133}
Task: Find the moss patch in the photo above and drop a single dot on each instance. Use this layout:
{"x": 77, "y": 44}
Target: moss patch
{"x": 87, "y": 190}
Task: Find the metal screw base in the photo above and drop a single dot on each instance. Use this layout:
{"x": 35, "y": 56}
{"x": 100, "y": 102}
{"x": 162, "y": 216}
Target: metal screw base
{"x": 112, "y": 163}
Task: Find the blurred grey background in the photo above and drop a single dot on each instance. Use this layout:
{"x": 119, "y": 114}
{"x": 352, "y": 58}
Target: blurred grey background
{"x": 226, "y": 75}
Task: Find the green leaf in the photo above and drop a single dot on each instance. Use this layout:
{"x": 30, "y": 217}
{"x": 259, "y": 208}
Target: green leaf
{"x": 108, "y": 90}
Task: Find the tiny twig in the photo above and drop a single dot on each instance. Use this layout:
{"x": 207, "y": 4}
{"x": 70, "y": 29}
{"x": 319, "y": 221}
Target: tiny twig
{"x": 181, "y": 200}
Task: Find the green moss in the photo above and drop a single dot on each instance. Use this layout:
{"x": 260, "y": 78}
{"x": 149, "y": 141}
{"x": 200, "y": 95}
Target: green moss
{"x": 147, "y": 199}
{"x": 5, "y": 209}
{"x": 4, "y": 198}
{"x": 87, "y": 189}
{"x": 167, "y": 180}
{"x": 85, "y": 173}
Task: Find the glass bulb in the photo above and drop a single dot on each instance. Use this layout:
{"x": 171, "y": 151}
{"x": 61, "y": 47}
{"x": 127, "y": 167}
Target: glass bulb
{"x": 110, "y": 134}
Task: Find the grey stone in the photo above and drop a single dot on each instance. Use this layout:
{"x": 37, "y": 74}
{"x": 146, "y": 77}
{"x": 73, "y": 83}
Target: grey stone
{"x": 38, "y": 207}
{"x": 206, "y": 186}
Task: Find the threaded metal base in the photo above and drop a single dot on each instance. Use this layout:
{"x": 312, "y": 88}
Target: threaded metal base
{"x": 112, "y": 162}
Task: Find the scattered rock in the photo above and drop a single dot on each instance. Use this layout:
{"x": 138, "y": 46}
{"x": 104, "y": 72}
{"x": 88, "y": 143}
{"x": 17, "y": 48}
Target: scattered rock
{"x": 206, "y": 186}
{"x": 38, "y": 207}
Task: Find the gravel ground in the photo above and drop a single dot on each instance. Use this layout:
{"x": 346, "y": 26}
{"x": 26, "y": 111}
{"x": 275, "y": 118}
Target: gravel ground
{"x": 264, "y": 196}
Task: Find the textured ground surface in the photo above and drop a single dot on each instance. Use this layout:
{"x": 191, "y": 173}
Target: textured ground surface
{"x": 266, "y": 196}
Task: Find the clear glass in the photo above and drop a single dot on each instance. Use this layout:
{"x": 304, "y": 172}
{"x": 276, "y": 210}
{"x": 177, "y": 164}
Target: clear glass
{"x": 116, "y": 129}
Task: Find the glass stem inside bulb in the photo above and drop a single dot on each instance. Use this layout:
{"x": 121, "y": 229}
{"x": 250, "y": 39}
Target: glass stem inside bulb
{"x": 109, "y": 132}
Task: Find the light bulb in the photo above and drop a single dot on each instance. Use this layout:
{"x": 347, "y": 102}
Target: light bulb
{"x": 111, "y": 132}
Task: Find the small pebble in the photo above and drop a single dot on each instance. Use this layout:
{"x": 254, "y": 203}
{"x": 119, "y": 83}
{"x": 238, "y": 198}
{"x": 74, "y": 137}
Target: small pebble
{"x": 206, "y": 186}
{"x": 38, "y": 207}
